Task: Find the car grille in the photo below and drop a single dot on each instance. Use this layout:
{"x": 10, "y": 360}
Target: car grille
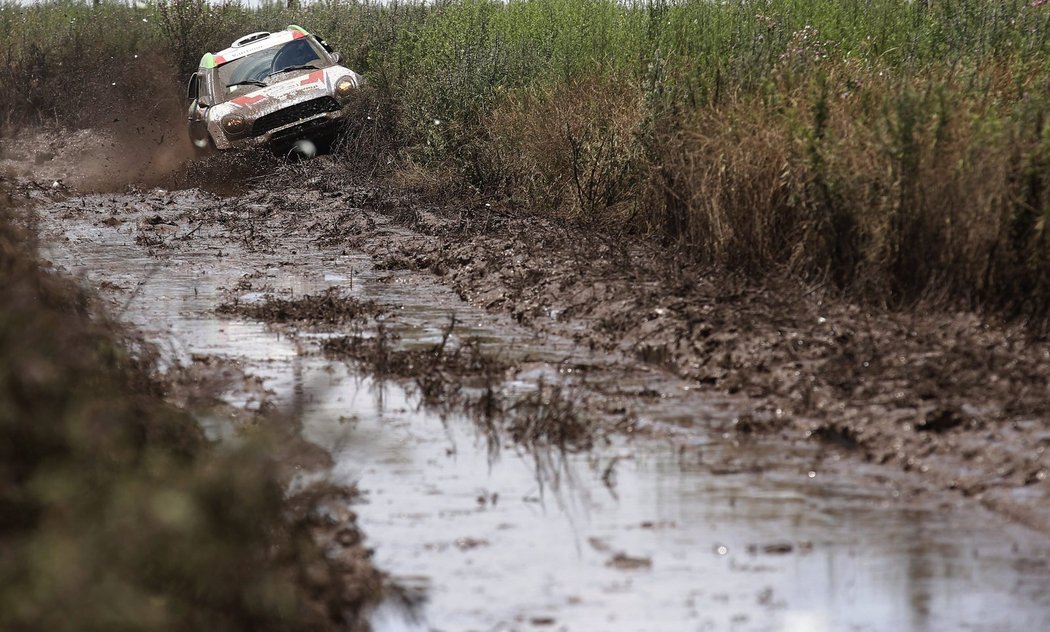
{"x": 290, "y": 115}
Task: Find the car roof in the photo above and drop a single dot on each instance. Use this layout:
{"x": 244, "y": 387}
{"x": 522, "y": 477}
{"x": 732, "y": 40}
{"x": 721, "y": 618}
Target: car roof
{"x": 252, "y": 43}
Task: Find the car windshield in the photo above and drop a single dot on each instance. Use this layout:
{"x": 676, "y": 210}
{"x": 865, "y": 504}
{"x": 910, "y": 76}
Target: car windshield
{"x": 244, "y": 74}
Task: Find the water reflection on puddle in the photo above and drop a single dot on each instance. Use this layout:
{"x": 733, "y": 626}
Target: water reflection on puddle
{"x": 669, "y": 547}
{"x": 638, "y": 536}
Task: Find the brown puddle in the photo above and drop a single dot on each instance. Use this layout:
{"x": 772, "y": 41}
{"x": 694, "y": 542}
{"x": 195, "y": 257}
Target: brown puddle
{"x": 672, "y": 529}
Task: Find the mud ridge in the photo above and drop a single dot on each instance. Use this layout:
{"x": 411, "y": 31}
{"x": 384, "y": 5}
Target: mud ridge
{"x": 454, "y": 374}
{"x": 956, "y": 400}
{"x": 462, "y": 377}
{"x": 326, "y": 308}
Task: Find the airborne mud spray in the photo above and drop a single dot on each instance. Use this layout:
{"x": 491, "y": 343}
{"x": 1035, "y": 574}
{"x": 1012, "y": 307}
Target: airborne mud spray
{"x": 136, "y": 147}
{"x": 676, "y": 519}
{"x": 144, "y": 149}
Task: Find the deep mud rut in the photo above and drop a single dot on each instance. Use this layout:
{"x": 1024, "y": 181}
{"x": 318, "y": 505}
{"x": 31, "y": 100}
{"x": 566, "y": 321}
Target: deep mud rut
{"x": 751, "y": 484}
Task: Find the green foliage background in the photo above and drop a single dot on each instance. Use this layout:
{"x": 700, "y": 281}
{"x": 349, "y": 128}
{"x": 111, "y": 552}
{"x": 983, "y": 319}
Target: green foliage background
{"x": 896, "y": 149}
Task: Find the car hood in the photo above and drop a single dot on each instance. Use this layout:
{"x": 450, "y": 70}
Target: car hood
{"x": 300, "y": 87}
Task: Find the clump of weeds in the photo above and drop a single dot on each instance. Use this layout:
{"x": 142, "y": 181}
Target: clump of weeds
{"x": 455, "y": 375}
{"x": 548, "y": 416}
{"x": 330, "y": 307}
{"x": 440, "y": 371}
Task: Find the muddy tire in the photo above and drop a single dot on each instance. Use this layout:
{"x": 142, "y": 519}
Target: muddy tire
{"x": 302, "y": 149}
{"x": 203, "y": 147}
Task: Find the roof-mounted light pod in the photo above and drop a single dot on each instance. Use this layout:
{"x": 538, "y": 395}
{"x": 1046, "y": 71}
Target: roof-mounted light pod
{"x": 248, "y": 39}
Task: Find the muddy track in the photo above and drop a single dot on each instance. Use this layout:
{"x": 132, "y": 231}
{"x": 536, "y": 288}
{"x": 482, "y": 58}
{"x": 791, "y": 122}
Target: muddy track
{"x": 934, "y": 410}
{"x": 959, "y": 402}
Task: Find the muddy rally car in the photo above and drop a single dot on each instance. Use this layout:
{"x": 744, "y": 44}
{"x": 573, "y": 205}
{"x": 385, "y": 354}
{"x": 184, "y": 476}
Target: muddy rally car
{"x": 269, "y": 89}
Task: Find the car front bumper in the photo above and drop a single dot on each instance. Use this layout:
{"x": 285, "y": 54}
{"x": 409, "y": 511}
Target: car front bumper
{"x": 322, "y": 124}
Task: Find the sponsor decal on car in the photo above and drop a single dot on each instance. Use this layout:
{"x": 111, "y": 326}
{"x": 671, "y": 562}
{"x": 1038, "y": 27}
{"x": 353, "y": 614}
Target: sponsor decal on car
{"x": 314, "y": 77}
{"x": 248, "y": 99}
{"x": 280, "y": 90}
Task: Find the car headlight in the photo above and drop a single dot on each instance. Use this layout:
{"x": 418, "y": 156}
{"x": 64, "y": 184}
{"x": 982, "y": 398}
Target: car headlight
{"x": 234, "y": 124}
{"x": 345, "y": 87}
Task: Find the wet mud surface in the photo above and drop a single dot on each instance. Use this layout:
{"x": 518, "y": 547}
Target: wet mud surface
{"x": 958, "y": 402}
{"x": 555, "y": 430}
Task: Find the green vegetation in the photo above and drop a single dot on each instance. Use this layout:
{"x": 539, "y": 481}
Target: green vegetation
{"x": 898, "y": 150}
{"x": 115, "y": 514}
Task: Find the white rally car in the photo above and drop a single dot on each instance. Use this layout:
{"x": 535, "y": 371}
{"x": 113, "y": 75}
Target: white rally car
{"x": 269, "y": 89}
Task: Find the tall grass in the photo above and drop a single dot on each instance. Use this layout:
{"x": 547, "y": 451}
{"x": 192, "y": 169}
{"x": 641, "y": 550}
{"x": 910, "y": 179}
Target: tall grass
{"x": 894, "y": 149}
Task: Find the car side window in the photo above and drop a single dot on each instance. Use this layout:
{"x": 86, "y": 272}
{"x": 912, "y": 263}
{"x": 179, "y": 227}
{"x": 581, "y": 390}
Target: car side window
{"x": 324, "y": 44}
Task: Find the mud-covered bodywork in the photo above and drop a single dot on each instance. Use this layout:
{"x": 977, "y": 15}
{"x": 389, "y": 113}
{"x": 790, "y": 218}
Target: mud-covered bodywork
{"x": 269, "y": 89}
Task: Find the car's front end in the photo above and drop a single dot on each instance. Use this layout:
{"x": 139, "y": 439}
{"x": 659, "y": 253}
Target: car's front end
{"x": 298, "y": 107}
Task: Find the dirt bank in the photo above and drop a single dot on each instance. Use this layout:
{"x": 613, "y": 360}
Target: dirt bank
{"x": 106, "y": 466}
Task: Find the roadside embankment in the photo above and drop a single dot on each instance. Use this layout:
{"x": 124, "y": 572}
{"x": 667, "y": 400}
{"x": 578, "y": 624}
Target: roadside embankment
{"x": 114, "y": 509}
